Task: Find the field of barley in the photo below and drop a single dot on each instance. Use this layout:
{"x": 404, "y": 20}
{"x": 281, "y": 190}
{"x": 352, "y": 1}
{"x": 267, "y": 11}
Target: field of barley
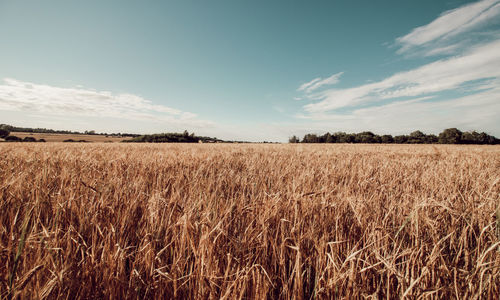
{"x": 253, "y": 221}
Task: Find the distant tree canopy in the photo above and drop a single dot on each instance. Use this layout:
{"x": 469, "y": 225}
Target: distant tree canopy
{"x": 4, "y": 133}
{"x": 29, "y": 139}
{"x": 293, "y": 139}
{"x": 448, "y": 136}
{"x": 184, "y": 137}
{"x": 45, "y": 130}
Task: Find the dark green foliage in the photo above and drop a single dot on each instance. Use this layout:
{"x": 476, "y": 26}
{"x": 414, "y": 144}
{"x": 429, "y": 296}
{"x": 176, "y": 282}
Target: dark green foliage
{"x": 75, "y": 141}
{"x": 310, "y": 138}
{"x": 365, "y": 137}
{"x": 45, "y": 130}
{"x": 474, "y": 137}
{"x": 448, "y": 136}
{"x": 293, "y": 140}
{"x": 4, "y": 132}
{"x": 387, "y": 139}
{"x": 28, "y": 139}
{"x": 431, "y": 139}
{"x": 184, "y": 137}
{"x": 400, "y": 139}
{"x": 329, "y": 138}
{"x": 416, "y": 137}
{"x": 12, "y": 138}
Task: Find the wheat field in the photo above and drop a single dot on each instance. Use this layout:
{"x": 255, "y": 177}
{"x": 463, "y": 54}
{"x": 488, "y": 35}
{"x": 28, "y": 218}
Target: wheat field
{"x": 219, "y": 221}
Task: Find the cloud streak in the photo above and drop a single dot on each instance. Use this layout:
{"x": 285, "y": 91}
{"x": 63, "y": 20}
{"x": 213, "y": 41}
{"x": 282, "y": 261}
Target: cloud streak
{"x": 476, "y": 112}
{"x": 480, "y": 63}
{"x": 17, "y": 95}
{"x": 319, "y": 82}
{"x": 415, "y": 99}
{"x": 450, "y": 24}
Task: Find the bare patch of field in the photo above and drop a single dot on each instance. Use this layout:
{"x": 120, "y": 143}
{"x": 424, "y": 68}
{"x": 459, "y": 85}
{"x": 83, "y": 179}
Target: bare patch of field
{"x": 58, "y": 137}
{"x": 249, "y": 221}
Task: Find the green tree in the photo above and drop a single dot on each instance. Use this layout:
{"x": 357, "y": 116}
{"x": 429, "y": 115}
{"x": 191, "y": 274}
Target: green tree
{"x": 400, "y": 139}
{"x": 310, "y": 138}
{"x": 329, "y": 138}
{"x": 4, "y": 133}
{"x": 293, "y": 140}
{"x": 431, "y": 139}
{"x": 387, "y": 139}
{"x": 416, "y": 137}
{"x": 450, "y": 136}
{"x": 365, "y": 137}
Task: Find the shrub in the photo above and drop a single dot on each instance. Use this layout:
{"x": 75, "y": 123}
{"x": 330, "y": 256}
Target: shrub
{"x": 12, "y": 138}
{"x": 4, "y": 132}
{"x": 29, "y": 139}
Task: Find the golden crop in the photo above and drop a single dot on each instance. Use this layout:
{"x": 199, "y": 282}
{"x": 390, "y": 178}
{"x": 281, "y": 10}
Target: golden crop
{"x": 249, "y": 221}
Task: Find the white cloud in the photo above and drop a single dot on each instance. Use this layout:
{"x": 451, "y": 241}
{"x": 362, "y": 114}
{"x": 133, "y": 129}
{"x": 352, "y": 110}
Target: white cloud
{"x": 319, "y": 82}
{"x": 480, "y": 63}
{"x": 414, "y": 99}
{"x": 16, "y": 95}
{"x": 450, "y": 24}
{"x": 450, "y": 49}
{"x": 308, "y": 84}
{"x": 479, "y": 111}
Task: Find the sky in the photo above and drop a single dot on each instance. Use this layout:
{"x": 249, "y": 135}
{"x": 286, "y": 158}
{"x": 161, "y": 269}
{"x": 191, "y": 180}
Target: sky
{"x": 251, "y": 70}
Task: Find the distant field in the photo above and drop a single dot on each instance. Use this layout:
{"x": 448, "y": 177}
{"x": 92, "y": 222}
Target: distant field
{"x": 219, "y": 221}
{"x": 56, "y": 137}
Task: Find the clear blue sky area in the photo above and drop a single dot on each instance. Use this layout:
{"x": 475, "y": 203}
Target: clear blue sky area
{"x": 251, "y": 70}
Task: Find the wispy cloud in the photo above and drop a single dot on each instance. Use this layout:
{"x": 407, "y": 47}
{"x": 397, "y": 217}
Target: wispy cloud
{"x": 319, "y": 82}
{"x": 440, "y": 33}
{"x": 414, "y": 99}
{"x": 17, "y": 95}
{"x": 480, "y": 63}
{"x": 479, "y": 111}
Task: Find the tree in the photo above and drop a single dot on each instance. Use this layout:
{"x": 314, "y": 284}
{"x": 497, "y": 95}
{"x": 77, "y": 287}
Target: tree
{"x": 450, "y": 136}
{"x": 431, "y": 139}
{"x": 310, "y": 138}
{"x": 400, "y": 139}
{"x": 329, "y": 138}
{"x": 469, "y": 137}
{"x": 416, "y": 137}
{"x": 387, "y": 139}
{"x": 365, "y": 137}
{"x": 294, "y": 140}
{"x": 4, "y": 133}
{"x": 13, "y": 138}
{"x": 349, "y": 138}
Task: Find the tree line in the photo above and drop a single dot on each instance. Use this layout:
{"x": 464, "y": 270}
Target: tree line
{"x": 184, "y": 137}
{"x": 448, "y": 136}
{"x": 11, "y": 128}
{"x": 5, "y": 134}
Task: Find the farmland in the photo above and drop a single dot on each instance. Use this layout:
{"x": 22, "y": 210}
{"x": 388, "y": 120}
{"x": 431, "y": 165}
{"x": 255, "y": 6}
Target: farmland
{"x": 249, "y": 221}
{"x": 58, "y": 137}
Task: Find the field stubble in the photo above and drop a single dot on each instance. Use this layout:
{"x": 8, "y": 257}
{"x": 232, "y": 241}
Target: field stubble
{"x": 249, "y": 221}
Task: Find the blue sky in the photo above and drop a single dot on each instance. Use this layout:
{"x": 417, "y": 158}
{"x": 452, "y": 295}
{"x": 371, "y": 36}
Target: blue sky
{"x": 251, "y": 70}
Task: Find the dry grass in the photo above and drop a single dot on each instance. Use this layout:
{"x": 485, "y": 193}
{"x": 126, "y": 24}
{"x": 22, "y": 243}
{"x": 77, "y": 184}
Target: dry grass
{"x": 249, "y": 221}
{"x": 58, "y": 137}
